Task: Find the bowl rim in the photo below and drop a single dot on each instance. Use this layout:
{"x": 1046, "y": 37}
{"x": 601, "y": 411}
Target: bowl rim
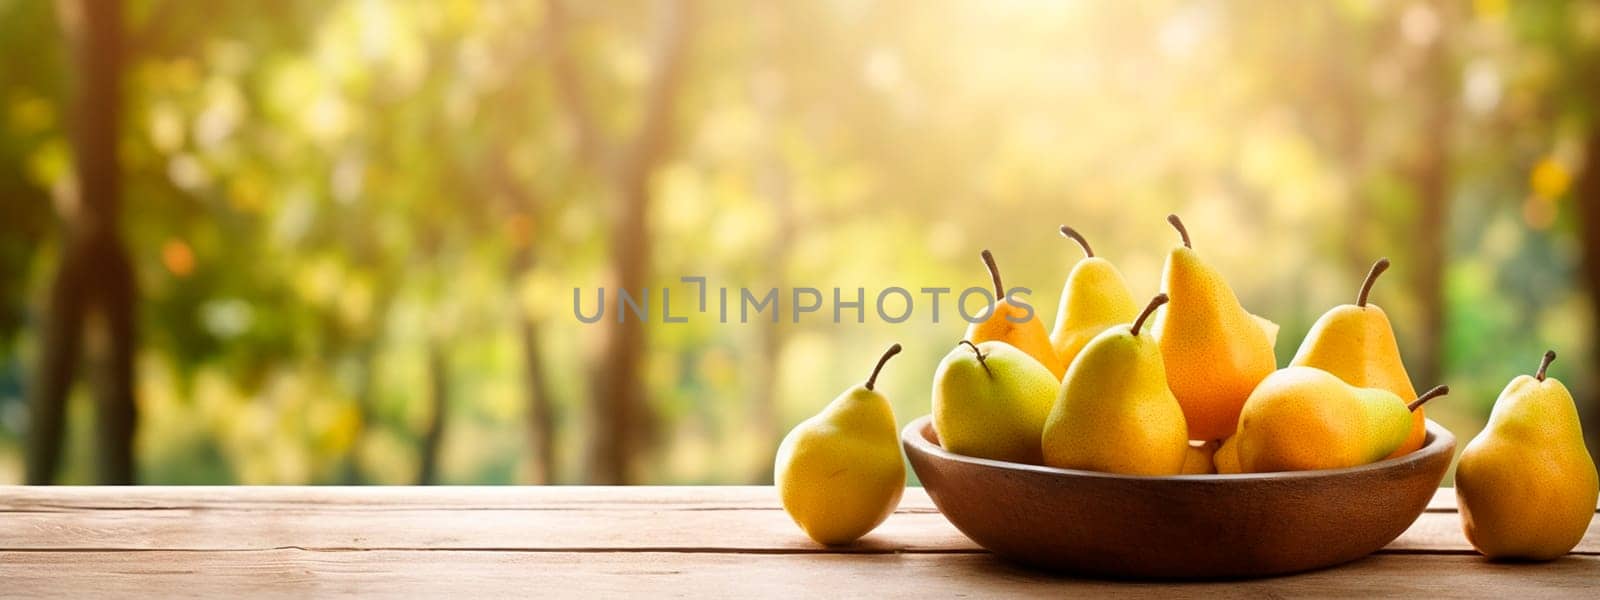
{"x": 915, "y": 436}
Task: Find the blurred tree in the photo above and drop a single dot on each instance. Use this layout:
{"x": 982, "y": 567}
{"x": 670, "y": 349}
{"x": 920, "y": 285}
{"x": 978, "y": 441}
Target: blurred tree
{"x": 620, "y": 415}
{"x": 95, "y": 279}
{"x": 1430, "y": 25}
{"x": 525, "y": 214}
{"x": 1586, "y": 198}
{"x": 774, "y": 182}
{"x": 439, "y": 404}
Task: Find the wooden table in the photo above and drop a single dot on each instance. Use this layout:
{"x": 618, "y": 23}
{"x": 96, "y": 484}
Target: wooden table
{"x": 611, "y": 542}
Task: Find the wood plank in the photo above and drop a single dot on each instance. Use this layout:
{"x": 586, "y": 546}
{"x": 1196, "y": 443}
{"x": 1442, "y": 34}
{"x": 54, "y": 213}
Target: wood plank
{"x": 642, "y": 528}
{"x": 13, "y": 498}
{"x": 697, "y": 519}
{"x": 383, "y": 574}
{"x": 1444, "y": 500}
{"x": 26, "y": 498}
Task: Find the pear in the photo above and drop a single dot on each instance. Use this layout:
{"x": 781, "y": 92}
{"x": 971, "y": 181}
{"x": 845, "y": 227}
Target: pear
{"x": 1094, "y": 298}
{"x": 1355, "y": 343}
{"x": 990, "y": 400}
{"x": 1014, "y": 323}
{"x": 1303, "y": 419}
{"x": 1200, "y": 458}
{"x": 1226, "y": 459}
{"x": 840, "y": 473}
{"x": 1114, "y": 413}
{"x": 1215, "y": 352}
{"x": 1526, "y": 485}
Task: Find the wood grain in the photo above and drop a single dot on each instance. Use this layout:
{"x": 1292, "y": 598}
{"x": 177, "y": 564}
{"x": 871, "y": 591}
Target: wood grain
{"x": 14, "y": 498}
{"x": 576, "y": 529}
{"x": 529, "y": 541}
{"x": 470, "y": 574}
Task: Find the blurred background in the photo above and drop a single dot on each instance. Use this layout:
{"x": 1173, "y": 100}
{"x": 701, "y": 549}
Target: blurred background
{"x": 336, "y": 241}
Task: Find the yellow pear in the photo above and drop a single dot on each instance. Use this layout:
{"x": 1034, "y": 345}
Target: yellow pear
{"x": 1526, "y": 485}
{"x": 990, "y": 401}
{"x": 840, "y": 473}
{"x": 1356, "y": 343}
{"x": 1303, "y": 419}
{"x": 1094, "y": 298}
{"x": 1200, "y": 459}
{"x": 1215, "y": 352}
{"x": 1114, "y": 413}
{"x": 1227, "y": 457}
{"x": 1014, "y": 323}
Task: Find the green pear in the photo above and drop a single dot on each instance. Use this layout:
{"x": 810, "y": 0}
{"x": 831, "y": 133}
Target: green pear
{"x": 990, "y": 400}
{"x": 1526, "y": 485}
{"x": 1094, "y": 298}
{"x": 1115, "y": 413}
{"x": 1304, "y": 418}
{"x": 840, "y": 473}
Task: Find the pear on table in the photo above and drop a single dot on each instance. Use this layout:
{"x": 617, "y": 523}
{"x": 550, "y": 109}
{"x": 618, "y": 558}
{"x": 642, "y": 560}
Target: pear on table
{"x": 1094, "y": 298}
{"x": 1304, "y": 419}
{"x": 840, "y": 473}
{"x": 990, "y": 400}
{"x": 1016, "y": 324}
{"x": 1215, "y": 351}
{"x": 1356, "y": 343}
{"x": 1114, "y": 413}
{"x": 1526, "y": 484}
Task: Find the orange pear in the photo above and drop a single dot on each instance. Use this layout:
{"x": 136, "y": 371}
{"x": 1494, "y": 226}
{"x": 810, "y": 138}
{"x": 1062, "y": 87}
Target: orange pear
{"x": 1303, "y": 419}
{"x": 1356, "y": 343}
{"x": 1215, "y": 351}
{"x": 1014, "y": 323}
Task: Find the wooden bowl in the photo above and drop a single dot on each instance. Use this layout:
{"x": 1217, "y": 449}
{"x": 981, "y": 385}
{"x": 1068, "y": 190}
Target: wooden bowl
{"x": 1178, "y": 527}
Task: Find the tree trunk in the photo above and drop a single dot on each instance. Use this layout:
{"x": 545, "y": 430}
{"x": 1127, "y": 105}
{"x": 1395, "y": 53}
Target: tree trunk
{"x": 95, "y": 272}
{"x": 541, "y": 415}
{"x": 619, "y": 403}
{"x": 367, "y": 356}
{"x": 541, "y": 412}
{"x": 620, "y": 415}
{"x": 1586, "y": 194}
{"x": 118, "y": 414}
{"x": 1433, "y": 196}
{"x": 62, "y": 341}
{"x": 439, "y": 399}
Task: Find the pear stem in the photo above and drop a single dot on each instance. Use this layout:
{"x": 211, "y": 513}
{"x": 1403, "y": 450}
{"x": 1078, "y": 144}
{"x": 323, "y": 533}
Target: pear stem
{"x": 1438, "y": 390}
{"x": 1544, "y": 365}
{"x": 893, "y": 350}
{"x": 1372, "y": 276}
{"x": 1182, "y": 231}
{"x": 978, "y": 352}
{"x": 1149, "y": 309}
{"x": 994, "y": 273}
{"x": 1072, "y": 234}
